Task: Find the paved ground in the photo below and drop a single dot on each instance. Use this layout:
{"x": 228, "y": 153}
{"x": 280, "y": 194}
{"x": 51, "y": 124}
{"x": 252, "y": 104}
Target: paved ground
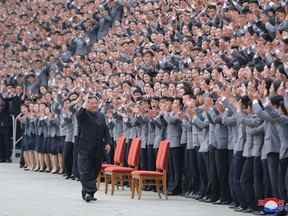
{"x": 25, "y": 193}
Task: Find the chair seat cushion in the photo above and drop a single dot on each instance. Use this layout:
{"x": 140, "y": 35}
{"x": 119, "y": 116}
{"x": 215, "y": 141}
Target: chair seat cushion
{"x": 147, "y": 173}
{"x": 104, "y": 166}
{"x": 117, "y": 169}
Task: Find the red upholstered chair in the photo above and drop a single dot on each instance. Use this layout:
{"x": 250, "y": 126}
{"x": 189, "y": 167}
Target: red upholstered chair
{"x": 114, "y": 174}
{"x": 158, "y": 177}
{"x": 118, "y": 158}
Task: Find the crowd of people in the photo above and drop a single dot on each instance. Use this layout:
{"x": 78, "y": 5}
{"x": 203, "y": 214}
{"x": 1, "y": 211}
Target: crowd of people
{"x": 210, "y": 76}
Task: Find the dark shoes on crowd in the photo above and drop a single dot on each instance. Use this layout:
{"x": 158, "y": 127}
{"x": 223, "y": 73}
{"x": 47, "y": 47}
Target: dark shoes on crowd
{"x": 88, "y": 197}
{"x": 5, "y": 160}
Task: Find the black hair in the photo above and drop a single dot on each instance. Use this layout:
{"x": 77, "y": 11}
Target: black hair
{"x": 246, "y": 102}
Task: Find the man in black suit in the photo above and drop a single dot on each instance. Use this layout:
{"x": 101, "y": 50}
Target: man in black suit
{"x": 5, "y": 125}
{"x": 94, "y": 139}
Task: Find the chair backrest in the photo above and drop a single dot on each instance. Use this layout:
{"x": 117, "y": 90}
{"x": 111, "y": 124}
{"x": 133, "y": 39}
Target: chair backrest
{"x": 162, "y": 155}
{"x": 134, "y": 153}
{"x": 120, "y": 151}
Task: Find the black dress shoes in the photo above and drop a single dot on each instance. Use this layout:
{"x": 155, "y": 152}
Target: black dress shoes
{"x": 89, "y": 197}
{"x": 233, "y": 205}
{"x": 240, "y": 209}
{"x": 259, "y": 213}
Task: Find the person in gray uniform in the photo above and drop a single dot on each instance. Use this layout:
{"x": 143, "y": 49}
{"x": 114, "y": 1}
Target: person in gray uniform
{"x": 53, "y": 128}
{"x": 200, "y": 120}
{"x": 221, "y": 154}
{"x": 272, "y": 144}
{"x": 281, "y": 120}
{"x": 160, "y": 126}
{"x": 250, "y": 180}
{"x": 153, "y": 112}
{"x": 41, "y": 127}
{"x": 46, "y": 140}
{"x": 172, "y": 117}
{"x": 143, "y": 120}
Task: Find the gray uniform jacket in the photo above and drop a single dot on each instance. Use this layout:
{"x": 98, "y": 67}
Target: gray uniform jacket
{"x": 241, "y": 128}
{"x": 127, "y": 128}
{"x": 221, "y": 130}
{"x": 202, "y": 124}
{"x": 253, "y": 144}
{"x": 53, "y": 127}
{"x": 271, "y": 138}
{"x": 151, "y": 132}
{"x": 185, "y": 125}
{"x": 118, "y": 126}
{"x": 144, "y": 125}
{"x": 160, "y": 127}
{"x": 41, "y": 126}
{"x": 212, "y": 141}
{"x": 230, "y": 120}
{"x": 173, "y": 129}
{"x": 282, "y": 127}
{"x": 136, "y": 127}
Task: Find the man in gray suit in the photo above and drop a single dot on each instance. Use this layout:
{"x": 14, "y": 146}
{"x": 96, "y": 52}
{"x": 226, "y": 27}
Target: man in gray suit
{"x": 272, "y": 143}
{"x": 221, "y": 156}
{"x": 172, "y": 117}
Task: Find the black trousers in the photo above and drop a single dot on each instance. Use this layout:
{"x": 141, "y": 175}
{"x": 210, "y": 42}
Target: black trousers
{"x": 5, "y": 145}
{"x": 222, "y": 166}
{"x": 89, "y": 166}
{"x": 238, "y": 162}
{"x": 213, "y": 183}
{"x": 151, "y": 160}
{"x": 175, "y": 169}
{"x": 75, "y": 170}
{"x": 143, "y": 159}
{"x": 68, "y": 158}
{"x": 127, "y": 148}
{"x": 246, "y": 181}
{"x": 203, "y": 171}
{"x": 258, "y": 178}
{"x": 187, "y": 172}
{"x": 230, "y": 162}
{"x": 266, "y": 179}
{"x": 283, "y": 171}
{"x": 273, "y": 172}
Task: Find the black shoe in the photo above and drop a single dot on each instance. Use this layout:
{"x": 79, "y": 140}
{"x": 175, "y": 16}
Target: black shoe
{"x": 233, "y": 205}
{"x": 248, "y": 210}
{"x": 209, "y": 200}
{"x": 67, "y": 177}
{"x": 240, "y": 209}
{"x": 2, "y": 161}
{"x": 218, "y": 202}
{"x": 202, "y": 199}
{"x": 72, "y": 177}
{"x": 88, "y": 197}
{"x": 8, "y": 160}
{"x": 259, "y": 213}
{"x": 83, "y": 195}
{"x": 199, "y": 197}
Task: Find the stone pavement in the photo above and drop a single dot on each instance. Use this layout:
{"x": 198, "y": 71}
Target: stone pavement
{"x": 23, "y": 193}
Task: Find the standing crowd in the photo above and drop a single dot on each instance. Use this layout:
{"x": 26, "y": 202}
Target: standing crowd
{"x": 209, "y": 76}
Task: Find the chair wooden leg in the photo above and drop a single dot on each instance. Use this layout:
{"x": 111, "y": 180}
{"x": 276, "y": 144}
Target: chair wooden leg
{"x": 130, "y": 182}
{"x": 106, "y": 183}
{"x": 112, "y": 184}
{"x": 140, "y": 188}
{"x": 132, "y": 186}
{"x": 136, "y": 182}
{"x": 158, "y": 187}
{"x": 164, "y": 182}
